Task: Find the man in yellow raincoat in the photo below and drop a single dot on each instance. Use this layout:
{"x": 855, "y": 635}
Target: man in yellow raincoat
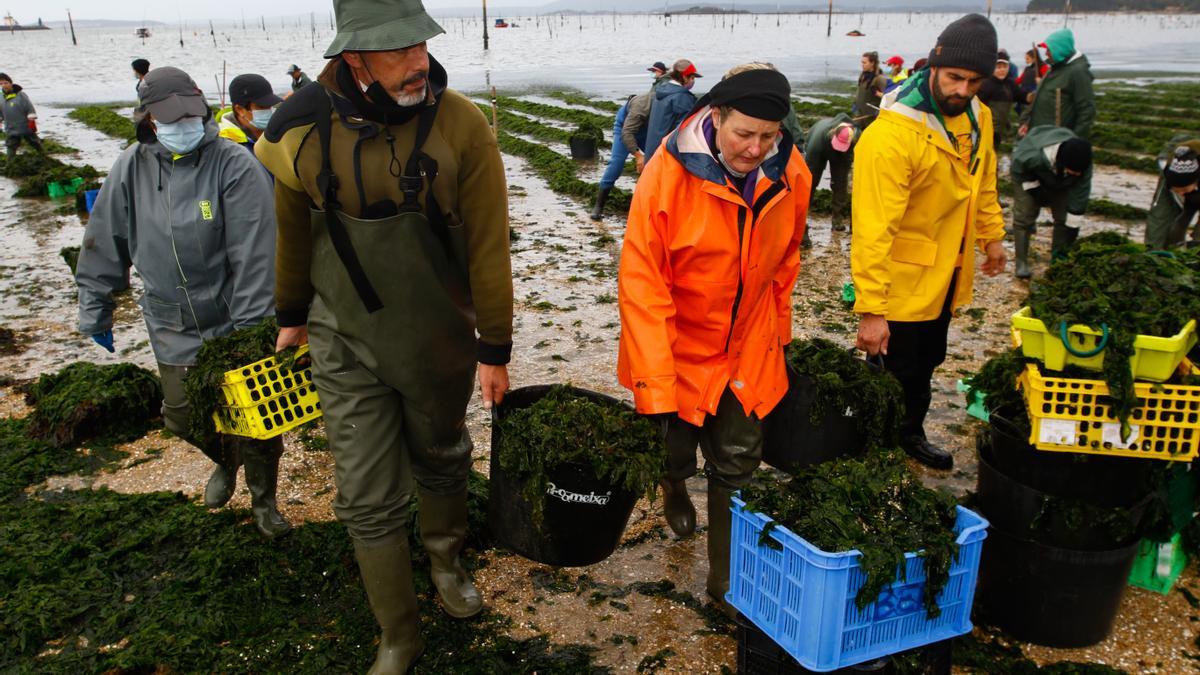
{"x": 924, "y": 197}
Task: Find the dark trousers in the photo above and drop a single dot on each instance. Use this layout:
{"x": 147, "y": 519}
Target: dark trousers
{"x": 915, "y": 350}
{"x": 730, "y": 440}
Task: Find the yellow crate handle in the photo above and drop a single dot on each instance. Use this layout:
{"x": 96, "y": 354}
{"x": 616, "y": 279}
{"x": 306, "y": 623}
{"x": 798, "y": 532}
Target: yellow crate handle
{"x": 1083, "y": 354}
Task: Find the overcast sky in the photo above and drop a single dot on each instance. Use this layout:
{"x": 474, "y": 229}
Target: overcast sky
{"x": 166, "y": 10}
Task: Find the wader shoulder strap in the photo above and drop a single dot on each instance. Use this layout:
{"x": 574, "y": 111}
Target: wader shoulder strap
{"x": 420, "y": 170}
{"x": 327, "y": 183}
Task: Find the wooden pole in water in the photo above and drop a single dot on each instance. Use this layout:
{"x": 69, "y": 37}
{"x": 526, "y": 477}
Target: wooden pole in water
{"x": 989, "y": 9}
{"x": 72, "y": 23}
{"x": 495, "y": 123}
{"x": 485, "y": 35}
{"x": 212, "y": 32}
{"x": 829, "y": 25}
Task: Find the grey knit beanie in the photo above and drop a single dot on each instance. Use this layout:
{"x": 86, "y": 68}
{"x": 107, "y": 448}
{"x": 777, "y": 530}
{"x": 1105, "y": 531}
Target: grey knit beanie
{"x": 969, "y": 42}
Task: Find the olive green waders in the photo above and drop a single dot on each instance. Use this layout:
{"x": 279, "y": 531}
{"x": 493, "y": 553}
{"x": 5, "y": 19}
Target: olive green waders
{"x": 731, "y": 442}
{"x": 261, "y": 458}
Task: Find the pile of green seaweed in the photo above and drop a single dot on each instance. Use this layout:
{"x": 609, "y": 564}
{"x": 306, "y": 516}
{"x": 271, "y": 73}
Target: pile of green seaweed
{"x": 846, "y": 382}
{"x": 564, "y": 427}
{"x": 155, "y": 583}
{"x": 35, "y": 172}
{"x": 876, "y": 505}
{"x": 1126, "y": 288}
{"x": 218, "y": 355}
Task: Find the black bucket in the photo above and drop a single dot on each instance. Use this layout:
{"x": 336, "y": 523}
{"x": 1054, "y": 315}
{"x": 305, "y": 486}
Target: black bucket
{"x": 791, "y": 440}
{"x": 1104, "y": 481}
{"x": 1033, "y": 514}
{"x": 1051, "y": 596}
{"x": 582, "y": 147}
{"x": 584, "y": 516}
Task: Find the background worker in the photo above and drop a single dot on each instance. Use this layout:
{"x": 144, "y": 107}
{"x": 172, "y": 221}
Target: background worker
{"x": 998, "y": 93}
{"x": 896, "y": 72}
{"x": 299, "y": 79}
{"x": 20, "y": 118}
{"x": 1065, "y": 97}
{"x": 633, "y": 114}
{"x": 831, "y": 142}
{"x": 252, "y": 102}
{"x": 871, "y": 86}
{"x": 711, "y": 375}
{"x": 924, "y": 197}
{"x": 1051, "y": 167}
{"x": 402, "y": 280}
{"x": 1177, "y": 198}
{"x": 672, "y": 101}
{"x": 140, "y": 68}
{"x": 192, "y": 214}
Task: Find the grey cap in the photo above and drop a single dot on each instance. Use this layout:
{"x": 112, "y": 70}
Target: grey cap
{"x": 170, "y": 94}
{"x": 380, "y": 26}
{"x": 293, "y": 69}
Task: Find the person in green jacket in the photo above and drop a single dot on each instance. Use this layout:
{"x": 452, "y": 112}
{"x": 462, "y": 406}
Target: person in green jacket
{"x": 831, "y": 142}
{"x": 1051, "y": 167}
{"x": 1065, "y": 97}
{"x": 1177, "y": 198}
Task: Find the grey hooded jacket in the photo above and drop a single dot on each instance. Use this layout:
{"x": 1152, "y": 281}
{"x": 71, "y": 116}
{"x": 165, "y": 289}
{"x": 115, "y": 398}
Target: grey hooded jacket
{"x": 199, "y": 230}
{"x": 16, "y": 108}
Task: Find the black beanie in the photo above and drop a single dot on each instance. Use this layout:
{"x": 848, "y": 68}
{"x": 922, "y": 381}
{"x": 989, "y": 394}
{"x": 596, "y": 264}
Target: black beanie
{"x": 762, "y": 94}
{"x": 969, "y": 42}
{"x": 1074, "y": 154}
{"x": 1183, "y": 169}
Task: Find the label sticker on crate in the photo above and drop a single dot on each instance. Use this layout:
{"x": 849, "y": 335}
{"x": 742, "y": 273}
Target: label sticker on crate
{"x": 1058, "y": 432}
{"x": 1111, "y": 434}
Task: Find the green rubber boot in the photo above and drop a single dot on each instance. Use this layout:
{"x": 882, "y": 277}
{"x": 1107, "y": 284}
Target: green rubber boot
{"x": 443, "y": 521}
{"x": 261, "y": 460}
{"x": 1021, "y": 241}
{"x": 221, "y": 485}
{"x": 387, "y": 577}
{"x": 720, "y": 520}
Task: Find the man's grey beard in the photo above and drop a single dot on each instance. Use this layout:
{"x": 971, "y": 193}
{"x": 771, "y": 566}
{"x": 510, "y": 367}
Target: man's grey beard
{"x": 407, "y": 100}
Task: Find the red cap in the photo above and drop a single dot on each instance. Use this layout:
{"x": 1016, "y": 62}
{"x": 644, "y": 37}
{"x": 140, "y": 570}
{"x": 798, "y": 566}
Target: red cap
{"x": 895, "y": 60}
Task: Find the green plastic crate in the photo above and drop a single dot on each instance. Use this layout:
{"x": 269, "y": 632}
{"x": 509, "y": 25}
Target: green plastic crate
{"x": 1158, "y": 565}
{"x": 64, "y": 188}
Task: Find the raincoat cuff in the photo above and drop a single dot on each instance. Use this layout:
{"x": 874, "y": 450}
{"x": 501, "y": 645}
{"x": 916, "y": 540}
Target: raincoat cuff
{"x": 652, "y": 395}
{"x": 290, "y": 318}
{"x": 493, "y": 355}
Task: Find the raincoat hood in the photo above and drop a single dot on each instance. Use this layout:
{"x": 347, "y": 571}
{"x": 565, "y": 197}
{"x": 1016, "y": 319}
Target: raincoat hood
{"x": 689, "y": 146}
{"x": 1061, "y": 44}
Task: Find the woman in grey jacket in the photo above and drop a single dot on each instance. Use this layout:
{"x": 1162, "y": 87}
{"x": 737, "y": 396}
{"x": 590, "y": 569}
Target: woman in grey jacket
{"x": 20, "y": 118}
{"x": 193, "y": 213}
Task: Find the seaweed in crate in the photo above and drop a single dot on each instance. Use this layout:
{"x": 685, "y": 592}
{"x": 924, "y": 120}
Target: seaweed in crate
{"x": 875, "y": 505}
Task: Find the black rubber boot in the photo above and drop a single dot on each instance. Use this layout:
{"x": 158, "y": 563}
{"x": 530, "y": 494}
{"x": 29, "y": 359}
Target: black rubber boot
{"x": 1021, "y": 239}
{"x": 677, "y": 507}
{"x": 1064, "y": 238}
{"x": 443, "y": 521}
{"x": 387, "y": 577}
{"x": 262, "y": 475}
{"x": 598, "y": 210}
{"x": 720, "y": 520}
{"x": 920, "y": 449}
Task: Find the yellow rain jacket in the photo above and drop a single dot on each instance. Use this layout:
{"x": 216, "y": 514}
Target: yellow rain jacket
{"x": 917, "y": 209}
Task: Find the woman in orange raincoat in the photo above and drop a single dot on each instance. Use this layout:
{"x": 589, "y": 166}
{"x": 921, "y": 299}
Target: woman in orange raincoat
{"x": 710, "y": 257}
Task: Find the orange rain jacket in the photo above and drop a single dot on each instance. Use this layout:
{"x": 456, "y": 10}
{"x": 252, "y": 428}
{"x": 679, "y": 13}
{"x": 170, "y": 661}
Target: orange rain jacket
{"x": 706, "y": 279}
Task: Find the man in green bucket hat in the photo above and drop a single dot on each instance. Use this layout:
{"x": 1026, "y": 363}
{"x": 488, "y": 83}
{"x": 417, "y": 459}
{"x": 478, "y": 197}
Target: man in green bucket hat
{"x": 393, "y": 258}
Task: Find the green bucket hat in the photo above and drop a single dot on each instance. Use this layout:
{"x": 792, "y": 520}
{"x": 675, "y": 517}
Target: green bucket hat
{"x": 380, "y": 25}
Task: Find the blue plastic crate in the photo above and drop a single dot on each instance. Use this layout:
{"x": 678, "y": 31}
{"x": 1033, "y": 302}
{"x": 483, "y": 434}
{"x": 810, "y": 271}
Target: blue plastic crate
{"x": 803, "y": 598}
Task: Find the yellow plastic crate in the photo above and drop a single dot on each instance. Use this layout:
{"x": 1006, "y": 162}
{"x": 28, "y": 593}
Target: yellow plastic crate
{"x": 1070, "y": 415}
{"x": 263, "y": 400}
{"x": 1154, "y": 358}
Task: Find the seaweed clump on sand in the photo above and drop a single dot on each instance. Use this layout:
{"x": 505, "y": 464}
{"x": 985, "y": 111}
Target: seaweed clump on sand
{"x": 1125, "y": 288}
{"x": 875, "y": 505}
{"x": 997, "y": 382}
{"x": 83, "y": 401}
{"x": 217, "y": 355}
{"x": 106, "y": 121}
{"x": 156, "y": 583}
{"x": 35, "y": 172}
{"x": 10, "y": 342}
{"x": 70, "y": 255}
{"x": 976, "y": 653}
{"x": 846, "y": 382}
{"x": 563, "y": 427}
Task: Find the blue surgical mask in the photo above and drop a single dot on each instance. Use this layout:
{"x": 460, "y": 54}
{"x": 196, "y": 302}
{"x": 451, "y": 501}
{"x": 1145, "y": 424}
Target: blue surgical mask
{"x": 180, "y": 137}
{"x": 261, "y": 118}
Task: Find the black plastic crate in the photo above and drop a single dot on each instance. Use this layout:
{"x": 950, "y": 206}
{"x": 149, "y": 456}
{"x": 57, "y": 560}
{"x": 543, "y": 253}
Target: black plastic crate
{"x": 758, "y": 654}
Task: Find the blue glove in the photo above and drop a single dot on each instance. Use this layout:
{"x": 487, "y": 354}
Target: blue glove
{"x": 105, "y": 340}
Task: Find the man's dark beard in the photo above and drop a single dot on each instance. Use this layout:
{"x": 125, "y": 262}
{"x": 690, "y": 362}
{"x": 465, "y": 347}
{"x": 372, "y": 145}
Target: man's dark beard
{"x": 949, "y": 108}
